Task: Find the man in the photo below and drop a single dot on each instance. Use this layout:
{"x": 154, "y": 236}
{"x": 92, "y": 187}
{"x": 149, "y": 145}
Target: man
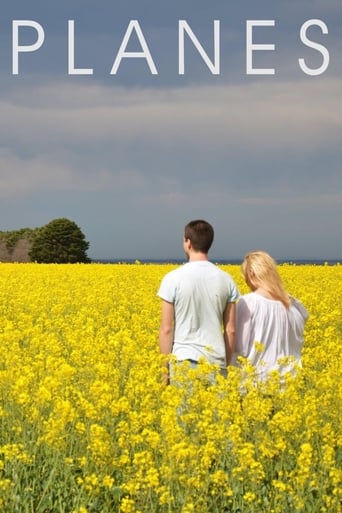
{"x": 198, "y": 304}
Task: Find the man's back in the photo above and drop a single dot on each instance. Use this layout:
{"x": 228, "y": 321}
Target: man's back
{"x": 200, "y": 292}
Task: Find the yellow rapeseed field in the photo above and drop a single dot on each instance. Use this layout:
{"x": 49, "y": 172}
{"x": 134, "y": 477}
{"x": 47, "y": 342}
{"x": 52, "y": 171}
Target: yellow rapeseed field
{"x": 88, "y": 426}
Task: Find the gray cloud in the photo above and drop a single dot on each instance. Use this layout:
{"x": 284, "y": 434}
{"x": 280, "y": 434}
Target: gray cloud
{"x": 296, "y": 114}
{"x": 160, "y": 146}
{"x": 26, "y": 177}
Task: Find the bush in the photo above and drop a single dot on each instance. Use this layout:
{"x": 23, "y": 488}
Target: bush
{"x": 10, "y": 238}
{"x": 61, "y": 241}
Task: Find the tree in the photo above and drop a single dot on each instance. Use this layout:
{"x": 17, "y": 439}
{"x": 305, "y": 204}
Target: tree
{"x": 61, "y": 241}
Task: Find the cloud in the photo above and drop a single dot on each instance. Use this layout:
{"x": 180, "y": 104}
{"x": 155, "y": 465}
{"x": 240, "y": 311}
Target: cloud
{"x": 210, "y": 142}
{"x": 25, "y": 177}
{"x": 314, "y": 201}
{"x": 260, "y": 115}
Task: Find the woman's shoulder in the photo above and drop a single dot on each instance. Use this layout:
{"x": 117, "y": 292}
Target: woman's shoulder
{"x": 258, "y": 303}
{"x": 297, "y": 307}
{"x": 251, "y": 298}
{"x": 246, "y": 300}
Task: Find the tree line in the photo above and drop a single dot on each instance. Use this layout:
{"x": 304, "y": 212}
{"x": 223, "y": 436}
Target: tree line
{"x": 61, "y": 241}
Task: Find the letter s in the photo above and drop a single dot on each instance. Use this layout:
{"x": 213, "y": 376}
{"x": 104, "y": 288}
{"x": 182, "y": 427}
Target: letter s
{"x": 320, "y": 48}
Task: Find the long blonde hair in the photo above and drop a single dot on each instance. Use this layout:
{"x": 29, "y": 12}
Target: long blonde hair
{"x": 260, "y": 270}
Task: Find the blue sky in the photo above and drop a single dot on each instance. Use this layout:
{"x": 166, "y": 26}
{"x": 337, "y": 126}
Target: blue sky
{"x": 132, "y": 157}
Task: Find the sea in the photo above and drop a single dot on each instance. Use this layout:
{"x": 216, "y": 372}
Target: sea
{"x": 294, "y": 261}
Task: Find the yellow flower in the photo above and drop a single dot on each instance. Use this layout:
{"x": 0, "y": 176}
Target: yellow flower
{"x": 259, "y": 346}
{"x": 84, "y": 404}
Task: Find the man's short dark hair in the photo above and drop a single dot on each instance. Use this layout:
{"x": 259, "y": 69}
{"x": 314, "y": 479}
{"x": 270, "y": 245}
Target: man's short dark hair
{"x": 201, "y": 235}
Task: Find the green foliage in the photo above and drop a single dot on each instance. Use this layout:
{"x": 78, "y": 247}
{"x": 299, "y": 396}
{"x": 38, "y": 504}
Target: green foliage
{"x": 61, "y": 241}
{"x": 10, "y": 238}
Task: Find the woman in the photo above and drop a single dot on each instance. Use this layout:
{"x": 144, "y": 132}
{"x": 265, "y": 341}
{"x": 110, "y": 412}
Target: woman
{"x": 270, "y": 323}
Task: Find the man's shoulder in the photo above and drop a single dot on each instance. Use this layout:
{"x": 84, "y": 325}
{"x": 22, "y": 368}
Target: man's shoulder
{"x": 174, "y": 273}
{"x": 224, "y": 274}
{"x": 169, "y": 284}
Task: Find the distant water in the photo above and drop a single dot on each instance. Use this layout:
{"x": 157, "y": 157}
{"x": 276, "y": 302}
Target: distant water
{"x": 222, "y": 262}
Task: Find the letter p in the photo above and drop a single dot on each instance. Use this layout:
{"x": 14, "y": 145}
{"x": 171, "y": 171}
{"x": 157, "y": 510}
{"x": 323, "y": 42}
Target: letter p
{"x": 16, "y": 48}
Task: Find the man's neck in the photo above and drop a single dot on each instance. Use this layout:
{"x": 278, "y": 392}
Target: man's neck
{"x": 196, "y": 256}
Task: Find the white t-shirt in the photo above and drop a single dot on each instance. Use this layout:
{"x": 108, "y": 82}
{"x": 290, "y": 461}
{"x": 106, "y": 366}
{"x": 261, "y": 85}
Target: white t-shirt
{"x": 199, "y": 292}
{"x": 278, "y": 329}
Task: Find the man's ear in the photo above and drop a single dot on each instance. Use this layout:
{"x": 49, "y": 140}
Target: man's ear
{"x": 187, "y": 243}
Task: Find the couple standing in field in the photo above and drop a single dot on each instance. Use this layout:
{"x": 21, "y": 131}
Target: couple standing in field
{"x": 204, "y": 316}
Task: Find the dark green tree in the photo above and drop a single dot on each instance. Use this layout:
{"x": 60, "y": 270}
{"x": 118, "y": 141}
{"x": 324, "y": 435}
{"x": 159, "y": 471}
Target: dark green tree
{"x": 61, "y": 241}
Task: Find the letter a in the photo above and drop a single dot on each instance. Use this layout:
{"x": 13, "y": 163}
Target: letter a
{"x": 145, "y": 54}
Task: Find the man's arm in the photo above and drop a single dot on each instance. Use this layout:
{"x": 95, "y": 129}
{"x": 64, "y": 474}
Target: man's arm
{"x": 166, "y": 327}
{"x": 229, "y": 330}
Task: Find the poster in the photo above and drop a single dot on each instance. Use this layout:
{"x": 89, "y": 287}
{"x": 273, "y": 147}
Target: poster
{"x": 132, "y": 118}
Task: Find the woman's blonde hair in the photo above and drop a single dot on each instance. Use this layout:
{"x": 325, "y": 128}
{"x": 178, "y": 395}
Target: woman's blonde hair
{"x": 260, "y": 270}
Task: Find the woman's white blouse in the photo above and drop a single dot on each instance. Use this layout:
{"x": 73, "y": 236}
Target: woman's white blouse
{"x": 266, "y": 331}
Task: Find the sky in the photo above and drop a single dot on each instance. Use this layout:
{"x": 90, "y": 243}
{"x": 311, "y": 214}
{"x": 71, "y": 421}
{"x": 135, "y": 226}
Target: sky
{"x": 132, "y": 153}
